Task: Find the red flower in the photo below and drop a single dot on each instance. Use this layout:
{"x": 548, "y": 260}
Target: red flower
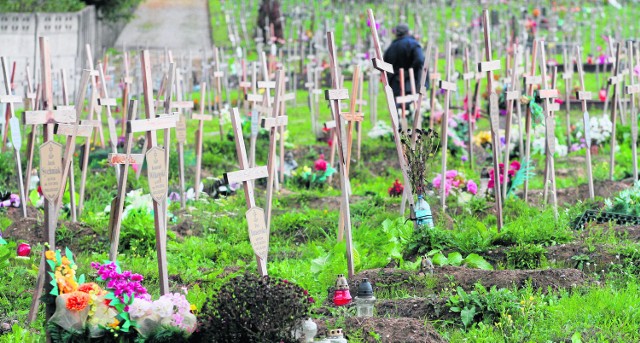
{"x": 397, "y": 189}
{"x": 320, "y": 164}
{"x": 77, "y": 301}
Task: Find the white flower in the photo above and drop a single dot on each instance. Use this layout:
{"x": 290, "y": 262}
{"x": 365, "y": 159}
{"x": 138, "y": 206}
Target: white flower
{"x": 139, "y": 308}
{"x": 163, "y": 307}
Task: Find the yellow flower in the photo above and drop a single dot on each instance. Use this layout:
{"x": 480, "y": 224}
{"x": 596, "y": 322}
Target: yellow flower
{"x": 50, "y": 255}
{"x": 193, "y": 308}
{"x": 115, "y": 323}
{"x": 482, "y": 138}
{"x": 531, "y": 298}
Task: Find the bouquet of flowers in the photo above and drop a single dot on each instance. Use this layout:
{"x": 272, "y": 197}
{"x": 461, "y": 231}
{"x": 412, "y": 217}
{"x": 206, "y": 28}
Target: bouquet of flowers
{"x": 600, "y": 129}
{"x": 121, "y": 308}
{"x": 455, "y": 183}
{"x": 516, "y": 175}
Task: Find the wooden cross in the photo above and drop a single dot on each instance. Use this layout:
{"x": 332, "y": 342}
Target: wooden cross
{"x": 489, "y": 66}
{"x": 217, "y": 76}
{"x": 448, "y": 87}
{"x": 255, "y": 115}
{"x": 53, "y": 168}
{"x": 584, "y": 96}
{"x": 201, "y": 118}
{"x": 513, "y": 95}
{"x": 127, "y": 80}
{"x": 434, "y": 77}
{"x": 272, "y": 124}
{"x": 312, "y": 97}
{"x": 530, "y": 81}
{"x": 181, "y": 133}
{"x": 568, "y": 77}
{"x": 30, "y": 103}
{"x": 334, "y": 96}
{"x": 385, "y": 68}
{"x": 632, "y": 89}
{"x": 258, "y": 229}
{"x": 157, "y": 166}
{"x": 13, "y": 124}
{"x": 547, "y": 95}
{"x": 403, "y": 100}
{"x": 94, "y": 107}
{"x": 105, "y": 101}
{"x": 615, "y": 81}
{"x": 4, "y": 121}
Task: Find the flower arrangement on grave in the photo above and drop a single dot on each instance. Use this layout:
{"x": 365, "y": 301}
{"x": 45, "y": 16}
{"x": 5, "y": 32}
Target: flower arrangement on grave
{"x": 516, "y": 175}
{"x": 458, "y": 129}
{"x": 313, "y": 178}
{"x": 482, "y": 139}
{"x": 396, "y": 189}
{"x": 120, "y": 310}
{"x": 456, "y": 184}
{"x": 600, "y": 128}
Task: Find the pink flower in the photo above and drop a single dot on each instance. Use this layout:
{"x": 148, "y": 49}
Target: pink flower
{"x": 515, "y": 165}
{"x": 437, "y": 181}
{"x": 450, "y": 174}
{"x": 320, "y": 164}
{"x": 472, "y": 187}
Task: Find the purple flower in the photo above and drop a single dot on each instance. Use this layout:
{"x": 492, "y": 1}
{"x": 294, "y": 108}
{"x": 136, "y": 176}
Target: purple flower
{"x": 472, "y": 187}
{"x": 174, "y": 196}
{"x": 464, "y": 158}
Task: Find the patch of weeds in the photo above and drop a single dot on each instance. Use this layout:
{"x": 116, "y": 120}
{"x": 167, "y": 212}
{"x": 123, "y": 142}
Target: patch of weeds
{"x": 526, "y": 256}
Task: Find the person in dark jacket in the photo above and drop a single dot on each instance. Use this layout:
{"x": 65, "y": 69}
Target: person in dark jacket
{"x": 271, "y": 9}
{"x": 404, "y": 52}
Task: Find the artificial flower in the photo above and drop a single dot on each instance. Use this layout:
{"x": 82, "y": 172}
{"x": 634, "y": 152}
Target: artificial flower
{"x": 77, "y": 301}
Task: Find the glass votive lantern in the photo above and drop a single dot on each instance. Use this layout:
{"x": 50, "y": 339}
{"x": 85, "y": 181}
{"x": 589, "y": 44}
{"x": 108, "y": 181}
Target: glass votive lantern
{"x": 365, "y": 300}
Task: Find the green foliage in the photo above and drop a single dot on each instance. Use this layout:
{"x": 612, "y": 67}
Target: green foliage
{"x": 481, "y": 305}
{"x": 8, "y": 178}
{"x": 115, "y": 10}
{"x": 41, "y": 6}
{"x": 455, "y": 259}
{"x": 251, "y": 308}
{"x": 525, "y": 256}
{"x": 626, "y": 202}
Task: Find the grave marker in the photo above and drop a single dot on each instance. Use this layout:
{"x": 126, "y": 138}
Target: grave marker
{"x": 201, "y": 118}
{"x": 530, "y": 80}
{"x": 384, "y": 68}
{"x": 512, "y": 96}
{"x": 334, "y": 96}
{"x": 583, "y": 96}
{"x": 489, "y": 66}
{"x": 258, "y": 229}
{"x": 632, "y": 89}
{"x": 614, "y": 80}
{"x": 546, "y": 95}
{"x": 13, "y": 124}
{"x": 448, "y": 87}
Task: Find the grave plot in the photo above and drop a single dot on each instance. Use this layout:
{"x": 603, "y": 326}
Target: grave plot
{"x": 289, "y": 181}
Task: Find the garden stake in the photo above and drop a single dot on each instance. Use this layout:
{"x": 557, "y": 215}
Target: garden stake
{"x": 567, "y": 76}
{"x": 417, "y": 117}
{"x": 258, "y": 230}
{"x": 434, "y": 76}
{"x": 530, "y": 80}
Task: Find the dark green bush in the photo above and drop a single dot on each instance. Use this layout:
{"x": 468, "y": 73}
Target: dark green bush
{"x": 251, "y": 308}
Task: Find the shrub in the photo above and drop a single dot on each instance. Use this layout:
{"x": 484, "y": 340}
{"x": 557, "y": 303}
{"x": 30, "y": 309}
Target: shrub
{"x": 251, "y": 308}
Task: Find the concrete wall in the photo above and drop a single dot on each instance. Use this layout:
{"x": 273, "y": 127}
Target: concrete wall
{"x": 68, "y": 34}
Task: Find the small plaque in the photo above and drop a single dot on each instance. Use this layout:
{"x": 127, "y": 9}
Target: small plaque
{"x": 157, "y": 173}
{"x": 50, "y": 169}
{"x": 494, "y": 111}
{"x": 16, "y": 138}
{"x": 181, "y": 129}
{"x": 258, "y": 233}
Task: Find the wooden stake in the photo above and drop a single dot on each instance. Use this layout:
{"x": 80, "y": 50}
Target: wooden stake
{"x": 614, "y": 81}
{"x": 513, "y": 95}
{"x": 583, "y": 96}
{"x": 448, "y": 87}
{"x": 632, "y": 89}
{"x": 201, "y": 118}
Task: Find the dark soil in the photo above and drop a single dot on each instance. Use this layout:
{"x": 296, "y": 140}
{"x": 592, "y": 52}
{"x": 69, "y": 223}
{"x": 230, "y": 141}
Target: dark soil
{"x": 390, "y": 279}
{"x": 391, "y": 330}
{"x": 569, "y": 196}
{"x": 432, "y": 308}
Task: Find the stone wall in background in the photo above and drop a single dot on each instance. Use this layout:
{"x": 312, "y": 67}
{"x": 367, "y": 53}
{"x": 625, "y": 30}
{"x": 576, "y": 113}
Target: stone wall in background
{"x": 68, "y": 35}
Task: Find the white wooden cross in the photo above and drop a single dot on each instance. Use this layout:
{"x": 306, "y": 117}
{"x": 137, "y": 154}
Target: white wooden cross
{"x": 14, "y": 125}
{"x": 434, "y": 77}
{"x": 584, "y": 96}
{"x": 512, "y": 96}
{"x": 53, "y": 169}
{"x": 547, "y": 94}
{"x": 615, "y": 80}
{"x": 258, "y": 229}
{"x": 448, "y": 87}
{"x": 334, "y": 96}
{"x": 422, "y": 92}
{"x": 632, "y": 89}
{"x": 489, "y": 66}
{"x": 385, "y": 68}
{"x": 122, "y": 161}
{"x": 217, "y": 77}
{"x": 530, "y": 81}
{"x": 272, "y": 124}
{"x": 201, "y": 118}
{"x": 181, "y": 132}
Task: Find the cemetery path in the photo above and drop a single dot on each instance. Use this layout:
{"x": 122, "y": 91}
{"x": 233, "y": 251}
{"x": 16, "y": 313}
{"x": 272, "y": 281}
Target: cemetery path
{"x": 177, "y": 25}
